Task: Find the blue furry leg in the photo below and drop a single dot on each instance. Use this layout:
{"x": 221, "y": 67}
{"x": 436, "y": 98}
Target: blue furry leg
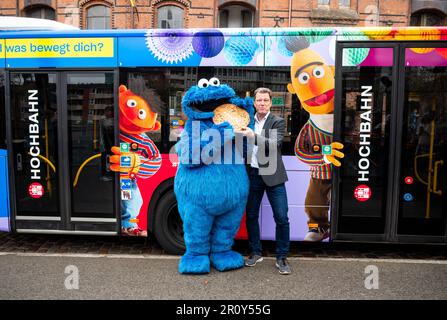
{"x": 196, "y": 226}
{"x": 194, "y": 264}
{"x": 224, "y": 230}
{"x": 228, "y": 260}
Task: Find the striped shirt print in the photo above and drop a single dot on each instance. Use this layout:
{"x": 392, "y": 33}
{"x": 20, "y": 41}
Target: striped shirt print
{"x": 149, "y": 155}
{"x": 309, "y": 136}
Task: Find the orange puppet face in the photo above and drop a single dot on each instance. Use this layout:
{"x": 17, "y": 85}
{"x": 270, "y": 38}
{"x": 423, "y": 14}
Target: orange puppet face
{"x": 312, "y": 81}
{"x": 135, "y": 114}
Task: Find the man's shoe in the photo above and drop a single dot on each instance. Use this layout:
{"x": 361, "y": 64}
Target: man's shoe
{"x": 283, "y": 266}
{"x": 253, "y": 259}
{"x": 316, "y": 234}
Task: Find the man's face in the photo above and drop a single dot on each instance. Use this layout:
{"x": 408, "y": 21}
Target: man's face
{"x": 263, "y": 103}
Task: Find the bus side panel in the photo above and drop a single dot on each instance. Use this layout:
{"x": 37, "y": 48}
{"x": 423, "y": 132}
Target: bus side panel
{"x": 4, "y": 192}
{"x": 148, "y": 186}
{"x": 2, "y": 53}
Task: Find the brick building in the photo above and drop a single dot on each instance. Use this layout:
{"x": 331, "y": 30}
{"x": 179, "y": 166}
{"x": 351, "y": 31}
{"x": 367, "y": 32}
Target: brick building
{"x": 117, "y": 14}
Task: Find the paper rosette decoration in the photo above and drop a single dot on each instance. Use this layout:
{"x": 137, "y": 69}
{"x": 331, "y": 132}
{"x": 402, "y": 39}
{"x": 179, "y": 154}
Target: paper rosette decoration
{"x": 378, "y": 33}
{"x": 419, "y": 34}
{"x": 169, "y": 47}
{"x": 353, "y": 56}
{"x": 208, "y": 43}
{"x": 240, "y": 50}
{"x": 312, "y": 36}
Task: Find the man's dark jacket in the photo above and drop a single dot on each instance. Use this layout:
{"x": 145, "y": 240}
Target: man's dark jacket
{"x": 267, "y": 141}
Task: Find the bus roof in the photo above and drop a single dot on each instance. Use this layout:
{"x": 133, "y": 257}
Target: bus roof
{"x": 72, "y": 32}
{"x": 24, "y": 23}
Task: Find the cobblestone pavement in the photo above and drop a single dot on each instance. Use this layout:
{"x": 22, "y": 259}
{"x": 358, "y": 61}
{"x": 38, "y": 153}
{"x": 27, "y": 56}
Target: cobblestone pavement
{"x": 148, "y": 246}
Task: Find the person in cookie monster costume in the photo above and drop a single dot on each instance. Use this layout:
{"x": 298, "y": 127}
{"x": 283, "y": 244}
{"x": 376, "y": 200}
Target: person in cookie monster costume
{"x": 211, "y": 186}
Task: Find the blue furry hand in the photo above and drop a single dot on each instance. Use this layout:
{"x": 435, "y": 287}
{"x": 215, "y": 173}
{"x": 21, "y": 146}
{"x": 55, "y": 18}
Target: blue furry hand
{"x": 226, "y": 130}
{"x": 222, "y": 126}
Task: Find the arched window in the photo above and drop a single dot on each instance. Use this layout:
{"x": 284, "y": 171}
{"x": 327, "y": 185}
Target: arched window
{"x": 236, "y": 16}
{"x": 427, "y": 18}
{"x": 170, "y": 17}
{"x": 98, "y": 17}
{"x": 41, "y": 12}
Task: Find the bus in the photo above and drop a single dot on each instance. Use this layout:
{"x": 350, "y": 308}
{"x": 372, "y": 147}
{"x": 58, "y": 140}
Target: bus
{"x": 379, "y": 92}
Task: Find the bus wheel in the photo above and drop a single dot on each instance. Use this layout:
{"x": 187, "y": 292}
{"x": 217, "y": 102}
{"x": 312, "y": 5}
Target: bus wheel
{"x": 168, "y": 228}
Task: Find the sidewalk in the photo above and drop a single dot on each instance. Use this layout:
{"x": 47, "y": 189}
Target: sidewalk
{"x": 148, "y": 246}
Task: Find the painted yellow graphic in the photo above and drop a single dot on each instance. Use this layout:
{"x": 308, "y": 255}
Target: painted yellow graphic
{"x": 59, "y": 48}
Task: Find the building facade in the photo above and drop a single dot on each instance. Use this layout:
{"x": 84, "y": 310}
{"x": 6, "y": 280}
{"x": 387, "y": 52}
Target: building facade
{"x": 125, "y": 14}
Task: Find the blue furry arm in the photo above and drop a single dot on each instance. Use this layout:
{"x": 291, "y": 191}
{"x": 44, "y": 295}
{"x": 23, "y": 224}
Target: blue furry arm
{"x": 198, "y": 136}
{"x": 184, "y": 151}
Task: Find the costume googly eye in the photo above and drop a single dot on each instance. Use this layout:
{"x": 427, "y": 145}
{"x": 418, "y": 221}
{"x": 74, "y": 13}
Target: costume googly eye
{"x": 131, "y": 103}
{"x": 318, "y": 72}
{"x": 214, "y": 82}
{"x": 303, "y": 78}
{"x": 141, "y": 114}
{"x": 203, "y": 83}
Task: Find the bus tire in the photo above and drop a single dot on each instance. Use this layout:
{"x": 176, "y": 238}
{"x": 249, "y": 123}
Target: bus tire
{"x": 168, "y": 227}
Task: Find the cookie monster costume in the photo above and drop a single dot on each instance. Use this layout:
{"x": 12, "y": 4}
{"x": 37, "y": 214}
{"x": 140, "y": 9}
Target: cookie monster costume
{"x": 211, "y": 194}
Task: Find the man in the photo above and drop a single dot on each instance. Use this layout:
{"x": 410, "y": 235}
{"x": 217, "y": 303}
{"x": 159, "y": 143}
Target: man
{"x": 267, "y": 176}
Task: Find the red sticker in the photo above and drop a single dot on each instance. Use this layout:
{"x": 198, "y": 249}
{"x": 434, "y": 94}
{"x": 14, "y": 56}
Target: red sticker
{"x": 362, "y": 192}
{"x": 409, "y": 180}
{"x": 35, "y": 190}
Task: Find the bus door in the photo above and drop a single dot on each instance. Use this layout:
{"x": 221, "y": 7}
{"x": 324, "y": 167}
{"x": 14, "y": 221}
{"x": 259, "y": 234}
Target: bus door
{"x": 62, "y": 127}
{"x": 391, "y": 117}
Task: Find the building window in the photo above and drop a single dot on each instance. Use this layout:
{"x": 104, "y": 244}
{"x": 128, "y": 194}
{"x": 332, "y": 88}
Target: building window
{"x": 41, "y": 12}
{"x": 344, "y": 3}
{"x": 223, "y": 18}
{"x": 170, "y": 17}
{"x": 323, "y": 2}
{"x": 236, "y": 16}
{"x": 98, "y": 17}
{"x": 427, "y": 18}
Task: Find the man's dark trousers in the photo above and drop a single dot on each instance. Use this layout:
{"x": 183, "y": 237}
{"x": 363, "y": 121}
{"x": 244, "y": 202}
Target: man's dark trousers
{"x": 278, "y": 200}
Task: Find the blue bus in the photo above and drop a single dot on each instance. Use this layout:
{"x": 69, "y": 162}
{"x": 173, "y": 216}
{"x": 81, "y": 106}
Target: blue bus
{"x": 375, "y": 94}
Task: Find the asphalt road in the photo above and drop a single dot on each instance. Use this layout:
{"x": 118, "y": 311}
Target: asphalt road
{"x": 45, "y": 276}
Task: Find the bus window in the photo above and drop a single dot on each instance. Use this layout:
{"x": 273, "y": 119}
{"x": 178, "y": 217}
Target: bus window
{"x": 285, "y": 105}
{"x": 163, "y": 88}
{"x": 90, "y": 137}
{"x": 365, "y": 126}
{"x": 156, "y": 86}
{"x": 34, "y": 109}
{"x": 423, "y": 183}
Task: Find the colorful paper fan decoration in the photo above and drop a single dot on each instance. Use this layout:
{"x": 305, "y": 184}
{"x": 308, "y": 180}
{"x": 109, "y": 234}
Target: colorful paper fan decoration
{"x": 317, "y": 34}
{"x": 353, "y": 56}
{"x": 239, "y": 50}
{"x": 282, "y": 47}
{"x": 311, "y": 36}
{"x": 169, "y": 47}
{"x": 419, "y": 34}
{"x": 208, "y": 43}
{"x": 378, "y": 33}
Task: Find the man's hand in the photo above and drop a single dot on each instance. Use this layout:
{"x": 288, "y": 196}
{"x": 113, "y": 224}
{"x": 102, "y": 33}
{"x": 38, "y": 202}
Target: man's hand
{"x": 245, "y": 131}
